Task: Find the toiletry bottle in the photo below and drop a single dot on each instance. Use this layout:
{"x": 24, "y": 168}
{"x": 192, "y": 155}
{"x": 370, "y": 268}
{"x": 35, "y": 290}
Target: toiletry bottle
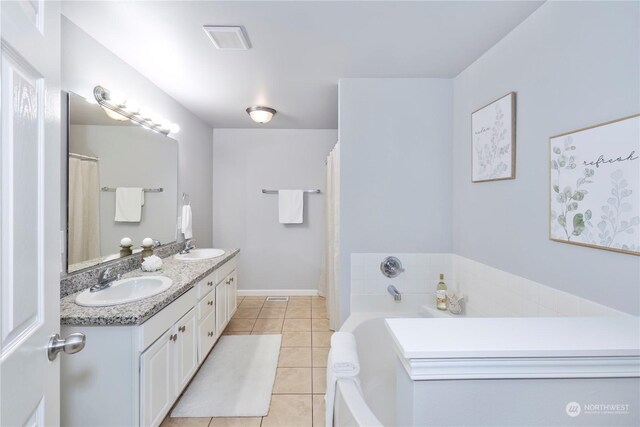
{"x": 441, "y": 294}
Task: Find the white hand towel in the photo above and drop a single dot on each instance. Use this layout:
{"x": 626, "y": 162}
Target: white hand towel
{"x": 187, "y": 226}
{"x": 290, "y": 206}
{"x": 129, "y": 202}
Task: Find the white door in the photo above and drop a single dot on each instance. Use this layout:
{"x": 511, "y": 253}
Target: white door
{"x": 30, "y": 211}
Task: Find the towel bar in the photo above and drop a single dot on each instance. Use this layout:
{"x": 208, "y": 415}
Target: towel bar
{"x": 146, "y": 190}
{"x": 276, "y": 191}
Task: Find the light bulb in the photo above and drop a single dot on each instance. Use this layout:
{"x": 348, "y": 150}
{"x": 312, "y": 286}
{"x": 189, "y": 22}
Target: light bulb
{"x": 156, "y": 119}
{"x": 146, "y": 112}
{"x": 132, "y": 105}
{"x": 117, "y": 98}
{"x": 174, "y": 128}
{"x": 165, "y": 124}
{"x": 114, "y": 115}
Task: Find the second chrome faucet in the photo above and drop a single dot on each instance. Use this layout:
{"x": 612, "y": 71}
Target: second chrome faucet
{"x": 397, "y": 296}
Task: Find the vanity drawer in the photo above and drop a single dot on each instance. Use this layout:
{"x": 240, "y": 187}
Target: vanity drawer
{"x": 225, "y": 269}
{"x": 206, "y": 305}
{"x": 206, "y": 285}
{"x": 206, "y": 336}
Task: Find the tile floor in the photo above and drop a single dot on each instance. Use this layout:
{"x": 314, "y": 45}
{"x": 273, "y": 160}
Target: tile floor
{"x": 298, "y": 392}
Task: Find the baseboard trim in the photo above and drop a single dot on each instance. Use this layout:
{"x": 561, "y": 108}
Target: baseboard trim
{"x": 277, "y": 292}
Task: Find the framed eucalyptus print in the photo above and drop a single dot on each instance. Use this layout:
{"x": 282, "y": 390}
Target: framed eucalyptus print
{"x": 594, "y": 194}
{"x": 493, "y": 133}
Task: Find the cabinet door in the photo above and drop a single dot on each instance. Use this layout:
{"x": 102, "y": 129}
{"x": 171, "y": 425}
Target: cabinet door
{"x": 232, "y": 293}
{"x": 221, "y": 307}
{"x": 186, "y": 360}
{"x": 157, "y": 391}
{"x": 206, "y": 335}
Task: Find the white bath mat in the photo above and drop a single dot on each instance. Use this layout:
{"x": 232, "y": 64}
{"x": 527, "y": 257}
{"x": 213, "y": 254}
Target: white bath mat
{"x": 236, "y": 380}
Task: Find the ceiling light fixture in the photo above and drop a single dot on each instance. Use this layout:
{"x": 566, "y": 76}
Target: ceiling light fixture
{"x": 118, "y": 107}
{"x": 261, "y": 114}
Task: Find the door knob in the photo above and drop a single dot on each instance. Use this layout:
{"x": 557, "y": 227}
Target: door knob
{"x": 72, "y": 344}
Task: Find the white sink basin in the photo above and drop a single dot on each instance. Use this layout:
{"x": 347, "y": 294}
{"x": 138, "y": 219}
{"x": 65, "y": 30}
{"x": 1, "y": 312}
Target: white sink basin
{"x": 124, "y": 291}
{"x": 200, "y": 254}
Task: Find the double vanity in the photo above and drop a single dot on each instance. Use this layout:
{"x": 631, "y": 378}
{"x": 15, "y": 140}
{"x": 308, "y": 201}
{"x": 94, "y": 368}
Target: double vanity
{"x": 146, "y": 333}
{"x": 140, "y": 355}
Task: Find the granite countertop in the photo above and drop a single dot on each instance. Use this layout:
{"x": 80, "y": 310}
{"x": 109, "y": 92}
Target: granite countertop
{"x": 185, "y": 275}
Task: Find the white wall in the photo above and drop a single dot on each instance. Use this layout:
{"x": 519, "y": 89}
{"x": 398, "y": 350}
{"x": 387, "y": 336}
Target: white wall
{"x": 395, "y": 137}
{"x": 86, "y": 63}
{"x": 274, "y": 256}
{"x": 572, "y": 64}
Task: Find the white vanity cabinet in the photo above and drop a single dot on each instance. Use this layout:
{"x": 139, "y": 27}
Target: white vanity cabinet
{"x": 166, "y": 367}
{"x": 232, "y": 293}
{"x": 222, "y": 316}
{"x": 226, "y": 301}
{"x": 206, "y": 316}
{"x": 156, "y": 378}
{"x": 137, "y": 372}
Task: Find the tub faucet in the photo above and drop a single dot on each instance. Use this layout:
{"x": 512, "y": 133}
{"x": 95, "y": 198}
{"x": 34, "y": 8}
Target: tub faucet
{"x": 188, "y": 246}
{"x": 105, "y": 279}
{"x": 397, "y": 296}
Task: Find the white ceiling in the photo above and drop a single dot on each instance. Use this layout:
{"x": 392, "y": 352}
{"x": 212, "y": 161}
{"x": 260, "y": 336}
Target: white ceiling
{"x": 300, "y": 49}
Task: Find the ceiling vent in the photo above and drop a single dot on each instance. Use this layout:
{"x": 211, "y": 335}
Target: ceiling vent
{"x": 227, "y": 38}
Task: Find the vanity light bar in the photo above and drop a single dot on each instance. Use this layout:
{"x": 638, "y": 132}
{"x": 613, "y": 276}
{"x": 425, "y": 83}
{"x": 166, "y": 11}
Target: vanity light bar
{"x": 129, "y": 109}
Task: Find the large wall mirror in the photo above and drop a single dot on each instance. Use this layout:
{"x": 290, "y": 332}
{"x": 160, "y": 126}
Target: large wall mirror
{"x": 122, "y": 182}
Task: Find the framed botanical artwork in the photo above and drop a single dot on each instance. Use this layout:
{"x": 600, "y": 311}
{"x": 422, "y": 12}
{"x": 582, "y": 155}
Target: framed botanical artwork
{"x": 493, "y": 144}
{"x": 594, "y": 186}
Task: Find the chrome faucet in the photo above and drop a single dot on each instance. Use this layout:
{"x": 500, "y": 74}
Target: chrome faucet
{"x": 188, "y": 246}
{"x": 397, "y": 296}
{"x": 105, "y": 279}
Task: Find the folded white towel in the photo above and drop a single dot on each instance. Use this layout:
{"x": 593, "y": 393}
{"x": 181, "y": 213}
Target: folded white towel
{"x": 290, "y": 206}
{"x": 344, "y": 353}
{"x": 332, "y": 380}
{"x": 129, "y": 202}
{"x": 187, "y": 226}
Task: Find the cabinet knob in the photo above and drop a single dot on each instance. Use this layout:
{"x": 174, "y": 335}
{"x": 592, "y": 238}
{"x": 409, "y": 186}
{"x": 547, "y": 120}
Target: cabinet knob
{"x": 173, "y": 338}
{"x": 209, "y": 283}
{"x": 231, "y": 279}
{"x": 210, "y": 334}
{"x": 182, "y": 328}
{"x": 210, "y": 303}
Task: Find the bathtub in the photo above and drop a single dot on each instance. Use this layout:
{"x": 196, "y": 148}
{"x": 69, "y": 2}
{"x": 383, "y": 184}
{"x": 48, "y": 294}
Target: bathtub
{"x": 376, "y": 405}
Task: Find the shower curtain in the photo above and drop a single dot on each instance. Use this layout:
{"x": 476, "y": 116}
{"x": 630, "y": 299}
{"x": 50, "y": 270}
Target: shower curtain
{"x": 332, "y": 244}
{"x": 84, "y": 209}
